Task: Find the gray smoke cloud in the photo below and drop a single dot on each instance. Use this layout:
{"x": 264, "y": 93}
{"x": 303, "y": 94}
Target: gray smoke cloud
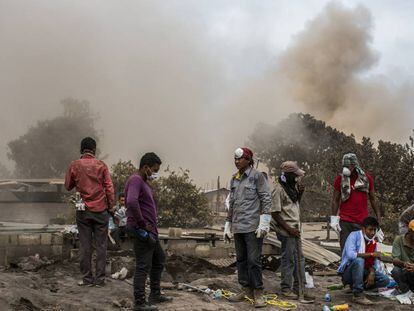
{"x": 325, "y": 72}
{"x": 161, "y": 81}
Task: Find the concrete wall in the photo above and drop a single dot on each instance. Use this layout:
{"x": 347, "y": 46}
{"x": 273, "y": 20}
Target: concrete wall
{"x": 16, "y": 245}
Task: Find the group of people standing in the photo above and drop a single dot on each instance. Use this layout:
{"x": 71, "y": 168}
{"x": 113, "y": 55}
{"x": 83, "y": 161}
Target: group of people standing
{"x": 254, "y": 210}
{"x": 91, "y": 179}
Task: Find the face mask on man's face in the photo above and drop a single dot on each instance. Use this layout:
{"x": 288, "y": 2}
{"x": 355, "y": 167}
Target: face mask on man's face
{"x": 152, "y": 175}
{"x": 346, "y": 171}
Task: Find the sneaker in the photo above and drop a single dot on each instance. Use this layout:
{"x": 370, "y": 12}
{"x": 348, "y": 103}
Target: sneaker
{"x": 245, "y": 292}
{"x": 145, "y": 307}
{"x": 259, "y": 302}
{"x": 84, "y": 283}
{"x": 362, "y": 300}
{"x": 158, "y": 298}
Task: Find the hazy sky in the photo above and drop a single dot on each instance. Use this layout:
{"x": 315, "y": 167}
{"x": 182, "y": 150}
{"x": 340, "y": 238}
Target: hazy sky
{"x": 167, "y": 76}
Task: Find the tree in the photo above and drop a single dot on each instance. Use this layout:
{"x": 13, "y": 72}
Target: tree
{"x": 47, "y": 148}
{"x": 120, "y": 173}
{"x": 319, "y": 149}
{"x": 180, "y": 202}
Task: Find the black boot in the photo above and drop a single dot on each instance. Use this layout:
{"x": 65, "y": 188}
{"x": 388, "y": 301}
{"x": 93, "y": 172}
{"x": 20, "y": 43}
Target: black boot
{"x": 158, "y": 297}
{"x": 144, "y": 306}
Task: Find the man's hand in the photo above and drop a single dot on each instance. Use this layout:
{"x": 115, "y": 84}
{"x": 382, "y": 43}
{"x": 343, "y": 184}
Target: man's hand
{"x": 294, "y": 232}
{"x": 376, "y": 255}
{"x": 370, "y": 281}
{"x": 409, "y": 267}
{"x": 148, "y": 227}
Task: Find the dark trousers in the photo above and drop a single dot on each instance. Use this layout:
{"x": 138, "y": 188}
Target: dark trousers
{"x": 346, "y": 229}
{"x": 355, "y": 274}
{"x": 289, "y": 264}
{"x": 150, "y": 260}
{"x": 404, "y": 279}
{"x": 248, "y": 255}
{"x": 92, "y": 226}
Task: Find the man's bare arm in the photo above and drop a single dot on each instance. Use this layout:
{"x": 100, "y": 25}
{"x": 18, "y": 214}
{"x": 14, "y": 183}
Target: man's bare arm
{"x": 336, "y": 200}
{"x": 374, "y": 205}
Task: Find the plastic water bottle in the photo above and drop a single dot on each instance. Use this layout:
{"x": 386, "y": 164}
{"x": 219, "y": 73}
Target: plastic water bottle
{"x": 328, "y": 297}
{"x": 326, "y": 308}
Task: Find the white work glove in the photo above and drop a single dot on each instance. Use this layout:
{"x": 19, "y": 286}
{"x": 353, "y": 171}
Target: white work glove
{"x": 405, "y": 299}
{"x": 227, "y": 236}
{"x": 264, "y": 226}
{"x": 380, "y": 235}
{"x": 334, "y": 224}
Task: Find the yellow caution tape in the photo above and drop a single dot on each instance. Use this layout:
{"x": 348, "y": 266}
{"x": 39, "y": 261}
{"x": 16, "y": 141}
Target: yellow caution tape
{"x": 271, "y": 300}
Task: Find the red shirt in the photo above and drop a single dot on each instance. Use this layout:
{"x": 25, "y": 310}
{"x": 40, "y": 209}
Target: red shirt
{"x": 91, "y": 178}
{"x": 355, "y": 209}
{"x": 369, "y": 248}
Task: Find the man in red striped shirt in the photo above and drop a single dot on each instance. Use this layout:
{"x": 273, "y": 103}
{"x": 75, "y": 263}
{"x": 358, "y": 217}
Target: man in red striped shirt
{"x": 92, "y": 180}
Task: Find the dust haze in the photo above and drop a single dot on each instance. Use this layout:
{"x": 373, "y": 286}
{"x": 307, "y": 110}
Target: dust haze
{"x": 159, "y": 79}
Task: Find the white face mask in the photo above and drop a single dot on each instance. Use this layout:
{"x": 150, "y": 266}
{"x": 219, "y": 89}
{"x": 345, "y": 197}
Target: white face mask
{"x": 368, "y": 239}
{"x": 154, "y": 176}
{"x": 346, "y": 172}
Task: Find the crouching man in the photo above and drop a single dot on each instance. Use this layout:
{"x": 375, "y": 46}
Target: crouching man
{"x": 360, "y": 265}
{"x": 403, "y": 254}
{"x": 249, "y": 219}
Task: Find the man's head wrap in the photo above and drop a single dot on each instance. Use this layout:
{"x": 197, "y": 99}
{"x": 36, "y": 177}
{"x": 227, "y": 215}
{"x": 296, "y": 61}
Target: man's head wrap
{"x": 291, "y": 167}
{"x": 350, "y": 159}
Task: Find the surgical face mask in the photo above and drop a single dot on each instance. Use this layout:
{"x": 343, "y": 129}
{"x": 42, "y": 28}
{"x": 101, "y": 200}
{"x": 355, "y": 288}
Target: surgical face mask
{"x": 346, "y": 172}
{"x": 154, "y": 176}
{"x": 369, "y": 239}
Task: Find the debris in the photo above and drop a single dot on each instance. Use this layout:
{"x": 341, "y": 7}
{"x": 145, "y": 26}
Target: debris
{"x": 335, "y": 286}
{"x": 310, "y": 250}
{"x": 33, "y": 263}
{"x": 405, "y": 299}
{"x": 73, "y": 229}
{"x": 309, "y": 280}
{"x": 120, "y": 275}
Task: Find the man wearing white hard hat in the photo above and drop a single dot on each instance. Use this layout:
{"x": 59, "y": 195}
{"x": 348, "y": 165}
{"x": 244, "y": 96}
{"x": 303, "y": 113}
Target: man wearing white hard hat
{"x": 248, "y": 220}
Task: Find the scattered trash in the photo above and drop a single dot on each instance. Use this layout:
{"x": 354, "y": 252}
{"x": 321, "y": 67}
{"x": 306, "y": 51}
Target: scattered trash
{"x": 73, "y": 229}
{"x": 326, "y": 308}
{"x": 309, "y": 280}
{"x": 405, "y": 299}
{"x": 120, "y": 275}
{"x": 336, "y": 287}
{"x": 343, "y": 307}
{"x": 33, "y": 263}
{"x": 328, "y": 297}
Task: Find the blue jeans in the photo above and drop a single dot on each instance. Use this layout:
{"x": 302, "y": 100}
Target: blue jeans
{"x": 249, "y": 263}
{"x": 289, "y": 263}
{"x": 355, "y": 275}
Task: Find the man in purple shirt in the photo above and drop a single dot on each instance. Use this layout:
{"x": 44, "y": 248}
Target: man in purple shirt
{"x": 142, "y": 227}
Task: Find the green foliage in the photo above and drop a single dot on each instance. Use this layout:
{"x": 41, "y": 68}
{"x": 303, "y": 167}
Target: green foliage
{"x": 180, "y": 202}
{"x": 319, "y": 149}
{"x": 120, "y": 173}
{"x": 47, "y": 148}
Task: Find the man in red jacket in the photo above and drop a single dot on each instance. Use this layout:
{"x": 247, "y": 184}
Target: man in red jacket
{"x": 91, "y": 179}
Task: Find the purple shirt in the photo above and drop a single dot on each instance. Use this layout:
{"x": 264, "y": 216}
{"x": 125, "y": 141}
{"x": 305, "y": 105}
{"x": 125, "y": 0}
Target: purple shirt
{"x": 141, "y": 208}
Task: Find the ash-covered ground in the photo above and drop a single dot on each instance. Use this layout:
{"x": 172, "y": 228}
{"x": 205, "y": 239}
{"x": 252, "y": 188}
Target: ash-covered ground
{"x": 53, "y": 286}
